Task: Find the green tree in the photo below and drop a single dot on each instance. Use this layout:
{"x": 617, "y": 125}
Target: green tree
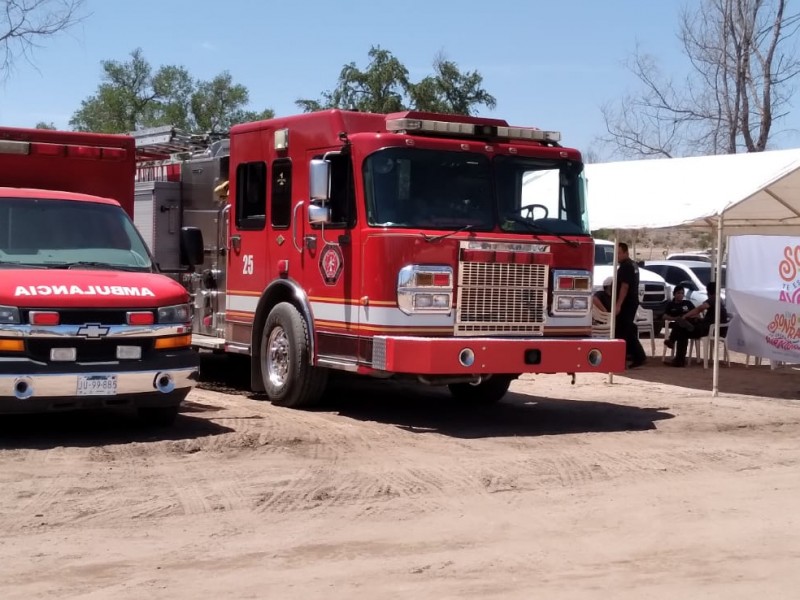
{"x": 449, "y": 90}
{"x": 132, "y": 95}
{"x": 384, "y": 86}
{"x": 44, "y": 125}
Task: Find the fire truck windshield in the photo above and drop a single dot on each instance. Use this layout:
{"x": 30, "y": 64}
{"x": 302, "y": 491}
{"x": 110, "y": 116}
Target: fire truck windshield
{"x": 432, "y": 189}
{"x": 49, "y": 233}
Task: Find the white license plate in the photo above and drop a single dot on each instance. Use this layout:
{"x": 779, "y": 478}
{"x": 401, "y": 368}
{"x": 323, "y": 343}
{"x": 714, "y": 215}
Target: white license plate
{"x": 97, "y": 385}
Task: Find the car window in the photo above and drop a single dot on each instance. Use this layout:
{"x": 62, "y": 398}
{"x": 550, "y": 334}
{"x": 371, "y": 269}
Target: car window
{"x": 676, "y": 275}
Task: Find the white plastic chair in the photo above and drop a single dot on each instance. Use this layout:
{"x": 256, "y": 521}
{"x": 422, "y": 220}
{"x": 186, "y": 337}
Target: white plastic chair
{"x": 773, "y": 364}
{"x": 644, "y": 322}
{"x": 601, "y": 323}
{"x": 723, "y": 327}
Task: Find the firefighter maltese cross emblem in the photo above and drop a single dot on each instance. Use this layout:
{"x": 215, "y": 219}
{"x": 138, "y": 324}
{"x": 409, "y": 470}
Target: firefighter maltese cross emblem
{"x": 331, "y": 264}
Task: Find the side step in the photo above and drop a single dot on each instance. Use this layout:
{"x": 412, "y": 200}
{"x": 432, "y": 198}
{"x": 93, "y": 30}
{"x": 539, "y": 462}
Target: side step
{"x": 208, "y": 342}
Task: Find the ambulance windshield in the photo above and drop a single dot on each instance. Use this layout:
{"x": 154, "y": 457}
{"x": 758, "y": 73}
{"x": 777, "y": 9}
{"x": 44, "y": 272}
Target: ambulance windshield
{"x": 432, "y": 189}
{"x": 64, "y": 234}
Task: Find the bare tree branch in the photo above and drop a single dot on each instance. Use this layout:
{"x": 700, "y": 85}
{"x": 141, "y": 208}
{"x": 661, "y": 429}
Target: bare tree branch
{"x": 743, "y": 65}
{"x": 26, "y": 24}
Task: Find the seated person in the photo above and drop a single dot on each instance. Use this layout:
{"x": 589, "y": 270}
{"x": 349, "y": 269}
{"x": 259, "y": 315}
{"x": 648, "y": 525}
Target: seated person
{"x": 701, "y": 326}
{"x": 675, "y": 314}
{"x": 708, "y": 310}
{"x": 602, "y": 299}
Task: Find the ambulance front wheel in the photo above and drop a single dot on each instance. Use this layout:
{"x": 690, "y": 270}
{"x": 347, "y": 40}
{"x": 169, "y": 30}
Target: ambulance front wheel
{"x": 286, "y": 370}
{"x": 486, "y": 392}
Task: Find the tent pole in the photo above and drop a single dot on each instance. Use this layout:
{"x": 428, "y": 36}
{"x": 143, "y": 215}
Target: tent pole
{"x": 613, "y": 320}
{"x": 718, "y": 313}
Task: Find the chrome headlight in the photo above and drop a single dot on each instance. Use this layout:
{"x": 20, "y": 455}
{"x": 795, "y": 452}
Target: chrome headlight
{"x": 571, "y": 293}
{"x": 9, "y": 315}
{"x": 425, "y": 289}
{"x": 178, "y": 313}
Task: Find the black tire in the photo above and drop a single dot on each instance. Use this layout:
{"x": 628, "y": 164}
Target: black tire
{"x": 289, "y": 378}
{"x": 158, "y": 416}
{"x": 487, "y": 392}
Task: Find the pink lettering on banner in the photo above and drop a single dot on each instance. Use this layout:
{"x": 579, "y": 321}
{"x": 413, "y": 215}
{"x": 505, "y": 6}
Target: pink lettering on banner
{"x": 789, "y": 270}
{"x": 789, "y": 265}
{"x": 785, "y": 324}
{"x": 782, "y": 343}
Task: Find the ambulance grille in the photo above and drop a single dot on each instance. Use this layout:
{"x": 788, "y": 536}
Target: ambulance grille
{"x": 501, "y": 298}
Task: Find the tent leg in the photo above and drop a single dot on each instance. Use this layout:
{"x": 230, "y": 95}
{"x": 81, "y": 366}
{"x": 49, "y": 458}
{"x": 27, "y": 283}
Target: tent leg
{"x": 613, "y": 321}
{"x": 718, "y": 295}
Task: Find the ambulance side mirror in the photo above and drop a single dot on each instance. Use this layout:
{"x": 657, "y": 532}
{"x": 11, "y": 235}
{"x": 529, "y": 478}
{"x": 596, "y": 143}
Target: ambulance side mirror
{"x": 319, "y": 180}
{"x": 192, "y": 249}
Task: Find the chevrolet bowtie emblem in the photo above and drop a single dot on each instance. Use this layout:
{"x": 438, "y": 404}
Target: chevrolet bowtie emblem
{"x": 93, "y": 330}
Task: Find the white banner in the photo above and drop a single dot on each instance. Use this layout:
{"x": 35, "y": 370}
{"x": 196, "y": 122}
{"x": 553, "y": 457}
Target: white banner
{"x": 763, "y": 290}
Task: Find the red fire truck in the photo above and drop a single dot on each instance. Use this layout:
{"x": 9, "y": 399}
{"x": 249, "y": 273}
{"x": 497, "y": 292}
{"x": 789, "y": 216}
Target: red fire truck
{"x": 447, "y": 249}
{"x": 85, "y": 319}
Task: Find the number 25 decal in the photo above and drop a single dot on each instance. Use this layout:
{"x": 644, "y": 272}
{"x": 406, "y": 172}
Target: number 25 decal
{"x": 247, "y": 264}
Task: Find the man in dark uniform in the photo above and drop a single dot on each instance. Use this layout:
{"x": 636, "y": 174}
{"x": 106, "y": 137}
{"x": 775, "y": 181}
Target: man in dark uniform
{"x": 682, "y": 329}
{"x": 627, "y": 305}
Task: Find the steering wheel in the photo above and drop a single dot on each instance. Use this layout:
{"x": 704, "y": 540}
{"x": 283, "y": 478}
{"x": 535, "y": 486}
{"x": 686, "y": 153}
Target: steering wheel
{"x": 529, "y": 208}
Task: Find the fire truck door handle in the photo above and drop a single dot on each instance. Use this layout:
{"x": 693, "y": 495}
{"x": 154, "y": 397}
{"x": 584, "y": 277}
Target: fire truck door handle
{"x": 297, "y": 246}
{"x": 236, "y": 242}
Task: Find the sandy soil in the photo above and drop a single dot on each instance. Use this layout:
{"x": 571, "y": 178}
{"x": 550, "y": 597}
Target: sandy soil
{"x": 645, "y": 488}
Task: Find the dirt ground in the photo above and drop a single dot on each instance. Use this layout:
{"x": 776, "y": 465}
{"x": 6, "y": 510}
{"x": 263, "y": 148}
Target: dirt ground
{"x": 645, "y": 488}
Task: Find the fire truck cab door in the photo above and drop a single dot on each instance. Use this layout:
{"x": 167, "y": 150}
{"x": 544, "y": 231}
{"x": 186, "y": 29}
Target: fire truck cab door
{"x": 332, "y": 284}
{"x": 248, "y": 260}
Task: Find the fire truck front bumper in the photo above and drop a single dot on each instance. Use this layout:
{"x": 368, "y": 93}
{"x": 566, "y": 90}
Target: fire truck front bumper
{"x": 30, "y": 386}
{"x": 467, "y": 356}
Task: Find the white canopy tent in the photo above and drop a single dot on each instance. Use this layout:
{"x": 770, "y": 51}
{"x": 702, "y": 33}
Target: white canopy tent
{"x": 734, "y": 194}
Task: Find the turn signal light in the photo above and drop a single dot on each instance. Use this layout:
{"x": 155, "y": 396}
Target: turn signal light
{"x": 41, "y": 317}
{"x": 566, "y": 283}
{"x": 141, "y": 318}
{"x": 178, "y": 341}
{"x": 12, "y": 346}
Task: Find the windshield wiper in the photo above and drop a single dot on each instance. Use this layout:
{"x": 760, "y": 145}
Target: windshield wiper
{"x": 14, "y": 265}
{"x": 436, "y": 238}
{"x": 98, "y": 264}
{"x": 538, "y": 228}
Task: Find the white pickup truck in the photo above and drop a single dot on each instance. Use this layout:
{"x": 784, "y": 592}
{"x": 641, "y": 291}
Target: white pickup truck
{"x": 654, "y": 291}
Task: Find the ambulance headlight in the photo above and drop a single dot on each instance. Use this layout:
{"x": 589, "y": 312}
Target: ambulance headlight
{"x": 9, "y": 315}
{"x": 179, "y": 313}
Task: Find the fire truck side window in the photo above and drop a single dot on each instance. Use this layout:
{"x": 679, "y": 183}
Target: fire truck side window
{"x": 251, "y": 195}
{"x": 343, "y": 199}
{"x": 281, "y": 215}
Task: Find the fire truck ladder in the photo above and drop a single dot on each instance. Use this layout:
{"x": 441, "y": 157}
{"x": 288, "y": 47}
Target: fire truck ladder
{"x": 159, "y": 143}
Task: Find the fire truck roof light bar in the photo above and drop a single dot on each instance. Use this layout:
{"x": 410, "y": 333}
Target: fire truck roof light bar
{"x": 468, "y": 129}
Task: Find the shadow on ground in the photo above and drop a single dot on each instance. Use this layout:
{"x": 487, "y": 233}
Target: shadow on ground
{"x": 89, "y": 428}
{"x": 420, "y": 408}
{"x": 734, "y": 379}
{"x": 423, "y": 409}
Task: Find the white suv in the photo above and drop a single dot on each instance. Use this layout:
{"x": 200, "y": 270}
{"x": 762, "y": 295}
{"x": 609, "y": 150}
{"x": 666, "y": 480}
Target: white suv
{"x": 654, "y": 292}
{"x": 694, "y": 275}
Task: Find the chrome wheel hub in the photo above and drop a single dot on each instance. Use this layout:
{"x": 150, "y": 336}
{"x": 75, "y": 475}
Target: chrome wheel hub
{"x": 278, "y": 357}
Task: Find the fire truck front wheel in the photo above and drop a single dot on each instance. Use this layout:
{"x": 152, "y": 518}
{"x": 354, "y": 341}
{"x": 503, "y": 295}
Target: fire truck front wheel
{"x": 286, "y": 370}
{"x": 486, "y": 392}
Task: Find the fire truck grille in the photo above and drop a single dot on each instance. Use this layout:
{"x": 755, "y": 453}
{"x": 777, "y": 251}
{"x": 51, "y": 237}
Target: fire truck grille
{"x": 86, "y": 350}
{"x": 501, "y": 298}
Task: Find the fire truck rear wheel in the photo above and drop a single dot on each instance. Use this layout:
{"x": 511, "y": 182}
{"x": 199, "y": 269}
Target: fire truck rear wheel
{"x": 486, "y": 392}
{"x": 286, "y": 370}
